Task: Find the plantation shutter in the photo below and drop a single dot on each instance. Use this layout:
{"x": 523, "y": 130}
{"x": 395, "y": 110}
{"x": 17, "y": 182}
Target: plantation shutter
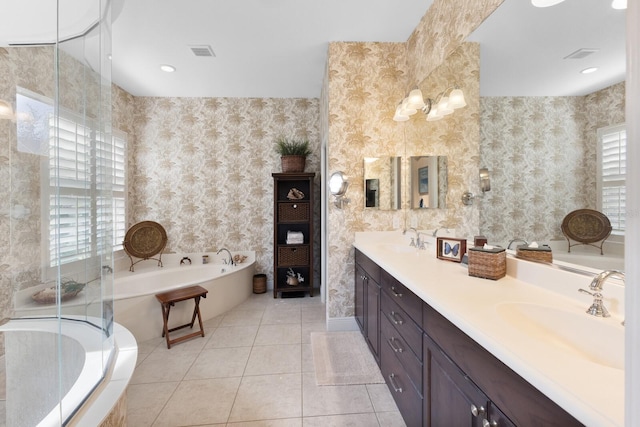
{"x": 612, "y": 183}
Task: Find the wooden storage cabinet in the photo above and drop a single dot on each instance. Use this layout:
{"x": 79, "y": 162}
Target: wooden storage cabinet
{"x": 292, "y": 216}
{"x": 367, "y": 301}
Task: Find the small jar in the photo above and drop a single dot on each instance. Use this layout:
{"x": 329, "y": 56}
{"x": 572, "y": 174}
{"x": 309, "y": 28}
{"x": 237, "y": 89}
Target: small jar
{"x": 205, "y": 259}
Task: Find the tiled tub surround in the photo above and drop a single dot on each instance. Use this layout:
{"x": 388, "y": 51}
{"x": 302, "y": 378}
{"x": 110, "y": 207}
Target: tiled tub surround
{"x": 592, "y": 392}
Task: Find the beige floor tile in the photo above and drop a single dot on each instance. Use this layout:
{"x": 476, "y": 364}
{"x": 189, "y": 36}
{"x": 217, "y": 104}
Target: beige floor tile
{"x": 390, "y": 419}
{"x": 333, "y": 400}
{"x": 381, "y": 398}
{"x": 314, "y": 314}
{"x": 307, "y": 358}
{"x": 281, "y": 315}
{"x": 307, "y": 328}
{"x": 279, "y": 334}
{"x": 193, "y": 344}
{"x": 275, "y": 359}
{"x": 351, "y": 420}
{"x": 219, "y": 363}
{"x": 238, "y": 317}
{"x": 265, "y": 397}
{"x": 199, "y": 402}
{"x": 145, "y": 401}
{"x": 163, "y": 366}
{"x": 213, "y": 323}
{"x": 233, "y": 336}
{"x": 287, "y": 422}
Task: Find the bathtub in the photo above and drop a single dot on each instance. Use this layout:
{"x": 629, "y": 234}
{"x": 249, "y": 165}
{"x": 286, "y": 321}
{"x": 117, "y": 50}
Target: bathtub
{"x": 32, "y": 371}
{"x": 135, "y": 305}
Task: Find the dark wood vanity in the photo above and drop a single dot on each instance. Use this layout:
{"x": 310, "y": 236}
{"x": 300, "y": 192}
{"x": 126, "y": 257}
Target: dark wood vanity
{"x": 437, "y": 374}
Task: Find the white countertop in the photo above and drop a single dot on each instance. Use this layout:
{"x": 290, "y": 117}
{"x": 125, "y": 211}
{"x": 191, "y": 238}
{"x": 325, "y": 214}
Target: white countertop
{"x": 586, "y": 385}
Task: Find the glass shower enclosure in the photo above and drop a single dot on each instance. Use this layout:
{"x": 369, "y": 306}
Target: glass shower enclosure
{"x": 56, "y": 207}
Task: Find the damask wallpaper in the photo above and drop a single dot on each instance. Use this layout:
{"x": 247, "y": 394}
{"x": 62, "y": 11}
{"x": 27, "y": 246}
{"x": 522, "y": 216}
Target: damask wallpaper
{"x": 541, "y": 152}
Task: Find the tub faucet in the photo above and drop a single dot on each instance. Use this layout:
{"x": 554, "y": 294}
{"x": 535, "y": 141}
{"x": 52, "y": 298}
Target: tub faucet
{"x": 230, "y": 256}
{"x": 597, "y": 307}
{"x": 107, "y": 269}
{"x": 517, "y": 240}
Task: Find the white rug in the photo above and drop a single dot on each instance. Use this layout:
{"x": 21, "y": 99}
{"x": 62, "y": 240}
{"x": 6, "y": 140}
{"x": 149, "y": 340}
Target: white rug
{"x": 343, "y": 358}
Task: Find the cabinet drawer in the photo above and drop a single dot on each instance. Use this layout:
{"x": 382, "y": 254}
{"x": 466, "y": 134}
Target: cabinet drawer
{"x": 407, "y": 398}
{"x": 371, "y": 269}
{"x": 411, "y": 364}
{"x": 293, "y": 255}
{"x": 401, "y": 322}
{"x": 406, "y": 299}
{"x": 294, "y": 211}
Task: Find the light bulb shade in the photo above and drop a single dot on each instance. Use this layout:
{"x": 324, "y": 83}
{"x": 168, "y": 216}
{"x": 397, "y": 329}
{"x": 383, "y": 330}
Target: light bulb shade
{"x": 6, "y": 111}
{"x": 406, "y": 109}
{"x": 415, "y": 100}
{"x": 619, "y": 4}
{"x": 399, "y": 115}
{"x": 545, "y": 3}
{"x": 456, "y": 99}
{"x": 433, "y": 115}
{"x": 443, "y": 107}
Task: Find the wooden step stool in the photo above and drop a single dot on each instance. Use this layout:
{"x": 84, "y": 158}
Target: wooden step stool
{"x": 168, "y": 299}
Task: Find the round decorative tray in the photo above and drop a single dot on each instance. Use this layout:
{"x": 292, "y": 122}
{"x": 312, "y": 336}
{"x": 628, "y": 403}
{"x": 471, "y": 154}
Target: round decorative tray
{"x": 145, "y": 239}
{"x": 586, "y": 226}
{"x": 69, "y": 289}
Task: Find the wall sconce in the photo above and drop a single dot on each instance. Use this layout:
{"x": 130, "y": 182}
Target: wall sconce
{"x": 338, "y": 186}
{"x": 485, "y": 185}
{"x": 6, "y": 111}
{"x": 444, "y": 104}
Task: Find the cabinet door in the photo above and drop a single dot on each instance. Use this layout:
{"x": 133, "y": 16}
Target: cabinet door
{"x": 360, "y": 281}
{"x": 372, "y": 318}
{"x": 450, "y": 398}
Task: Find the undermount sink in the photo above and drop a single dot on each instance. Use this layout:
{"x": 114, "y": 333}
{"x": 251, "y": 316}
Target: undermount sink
{"x": 403, "y": 249}
{"x": 596, "y": 339}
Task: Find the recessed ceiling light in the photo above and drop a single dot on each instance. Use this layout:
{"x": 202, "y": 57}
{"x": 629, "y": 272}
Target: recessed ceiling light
{"x": 167, "y": 68}
{"x": 545, "y": 3}
{"x": 619, "y": 4}
{"x": 589, "y": 70}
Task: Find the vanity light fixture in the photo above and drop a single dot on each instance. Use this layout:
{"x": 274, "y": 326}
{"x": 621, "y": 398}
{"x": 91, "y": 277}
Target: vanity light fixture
{"x": 444, "y": 104}
{"x": 6, "y": 110}
{"x": 485, "y": 185}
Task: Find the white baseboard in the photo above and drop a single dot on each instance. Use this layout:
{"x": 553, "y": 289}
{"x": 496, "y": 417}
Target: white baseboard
{"x": 342, "y": 324}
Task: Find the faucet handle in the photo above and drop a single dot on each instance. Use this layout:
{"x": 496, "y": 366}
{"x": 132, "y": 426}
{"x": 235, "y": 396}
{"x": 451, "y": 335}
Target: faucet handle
{"x": 413, "y": 243}
{"x": 597, "y": 307}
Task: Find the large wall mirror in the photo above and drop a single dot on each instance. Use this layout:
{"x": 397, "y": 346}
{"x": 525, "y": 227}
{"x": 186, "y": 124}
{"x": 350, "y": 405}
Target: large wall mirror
{"x": 539, "y": 116}
{"x": 382, "y": 183}
{"x": 428, "y": 182}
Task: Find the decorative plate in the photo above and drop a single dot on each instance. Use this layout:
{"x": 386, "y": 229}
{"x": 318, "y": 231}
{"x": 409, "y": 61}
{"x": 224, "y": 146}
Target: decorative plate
{"x": 586, "y": 226}
{"x": 145, "y": 239}
{"x": 49, "y": 295}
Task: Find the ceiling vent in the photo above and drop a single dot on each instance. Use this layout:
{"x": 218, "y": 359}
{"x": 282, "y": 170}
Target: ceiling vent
{"x": 202, "y": 50}
{"x": 581, "y": 53}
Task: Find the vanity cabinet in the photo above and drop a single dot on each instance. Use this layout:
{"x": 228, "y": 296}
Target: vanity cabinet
{"x": 292, "y": 232}
{"x": 367, "y": 301}
{"x": 437, "y": 374}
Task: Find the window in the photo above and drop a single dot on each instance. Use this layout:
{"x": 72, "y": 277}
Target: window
{"x": 612, "y": 158}
{"x": 83, "y": 189}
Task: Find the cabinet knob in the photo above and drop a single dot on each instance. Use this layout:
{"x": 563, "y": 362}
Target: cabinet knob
{"x": 295, "y": 206}
{"x": 475, "y": 411}
{"x": 487, "y": 423}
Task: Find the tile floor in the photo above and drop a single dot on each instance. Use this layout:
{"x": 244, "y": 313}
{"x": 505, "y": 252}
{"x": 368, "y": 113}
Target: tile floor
{"x": 254, "y": 367}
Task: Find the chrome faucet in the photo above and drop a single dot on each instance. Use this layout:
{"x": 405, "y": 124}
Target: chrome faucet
{"x": 421, "y": 242}
{"x": 230, "y": 256}
{"x": 517, "y": 240}
{"x": 107, "y": 269}
{"x": 435, "y": 232}
{"x": 597, "y": 308}
{"x": 415, "y": 242}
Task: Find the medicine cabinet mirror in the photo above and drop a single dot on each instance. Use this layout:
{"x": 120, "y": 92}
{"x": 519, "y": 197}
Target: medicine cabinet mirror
{"x": 428, "y": 182}
{"x": 382, "y": 183}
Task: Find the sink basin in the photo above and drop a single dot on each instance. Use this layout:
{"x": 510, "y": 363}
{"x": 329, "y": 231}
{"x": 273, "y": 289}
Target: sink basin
{"x": 596, "y": 339}
{"x": 404, "y": 249}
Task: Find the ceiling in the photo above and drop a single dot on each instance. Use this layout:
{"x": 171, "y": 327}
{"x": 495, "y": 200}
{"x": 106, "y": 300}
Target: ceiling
{"x": 278, "y": 48}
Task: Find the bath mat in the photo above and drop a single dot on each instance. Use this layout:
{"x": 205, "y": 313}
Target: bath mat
{"x": 343, "y": 358}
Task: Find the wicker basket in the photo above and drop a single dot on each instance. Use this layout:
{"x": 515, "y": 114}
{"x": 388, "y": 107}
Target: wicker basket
{"x": 297, "y": 255}
{"x": 487, "y": 263}
{"x": 259, "y": 283}
{"x": 542, "y": 254}
{"x": 293, "y": 164}
{"x": 293, "y": 211}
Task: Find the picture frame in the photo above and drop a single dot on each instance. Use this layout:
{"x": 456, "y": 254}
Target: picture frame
{"x": 450, "y": 248}
{"x": 423, "y": 180}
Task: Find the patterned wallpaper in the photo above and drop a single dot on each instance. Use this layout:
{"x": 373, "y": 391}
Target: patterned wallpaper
{"x": 541, "y": 152}
{"x": 202, "y": 168}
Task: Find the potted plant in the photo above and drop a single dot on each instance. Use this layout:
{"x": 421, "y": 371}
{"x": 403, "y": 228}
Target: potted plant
{"x": 293, "y": 154}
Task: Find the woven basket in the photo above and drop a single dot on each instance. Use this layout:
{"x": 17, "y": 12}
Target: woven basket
{"x": 487, "y": 263}
{"x": 297, "y": 255}
{"x": 293, "y": 164}
{"x": 259, "y": 283}
{"x": 534, "y": 254}
{"x": 293, "y": 211}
